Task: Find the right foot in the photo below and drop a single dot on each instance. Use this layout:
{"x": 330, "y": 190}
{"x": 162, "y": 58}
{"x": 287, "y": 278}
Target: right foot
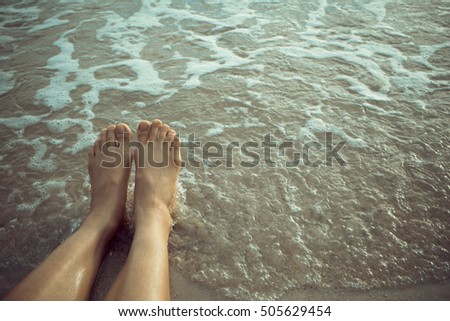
{"x": 156, "y": 186}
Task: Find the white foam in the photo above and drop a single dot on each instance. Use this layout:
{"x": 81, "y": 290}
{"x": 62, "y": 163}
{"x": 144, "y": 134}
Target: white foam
{"x": 187, "y": 177}
{"x": 57, "y": 94}
{"x": 75, "y": 224}
{"x": 415, "y": 84}
{"x": 362, "y": 89}
{"x": 316, "y": 125}
{"x": 84, "y": 141}
{"x": 6, "y": 169}
{"x": 381, "y": 111}
{"x": 314, "y": 17}
{"x": 177, "y": 124}
{"x": 224, "y": 59}
{"x": 85, "y": 135}
{"x": 126, "y": 34}
{"x": 239, "y": 101}
{"x": 378, "y": 8}
{"x": 6, "y": 39}
{"x": 216, "y": 130}
{"x": 7, "y": 82}
{"x": 20, "y": 122}
{"x": 37, "y": 161}
{"x": 126, "y": 37}
{"x": 19, "y": 14}
{"x": 252, "y": 122}
{"x": 62, "y": 125}
{"x": 51, "y": 22}
{"x": 251, "y": 82}
{"x": 46, "y": 190}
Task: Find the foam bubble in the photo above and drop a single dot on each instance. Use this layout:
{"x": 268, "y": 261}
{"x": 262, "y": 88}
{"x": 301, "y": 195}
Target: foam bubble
{"x": 37, "y": 161}
{"x": 63, "y": 124}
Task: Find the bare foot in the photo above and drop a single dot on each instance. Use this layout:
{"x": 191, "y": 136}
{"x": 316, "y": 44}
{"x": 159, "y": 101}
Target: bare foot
{"x": 109, "y": 184}
{"x": 156, "y": 172}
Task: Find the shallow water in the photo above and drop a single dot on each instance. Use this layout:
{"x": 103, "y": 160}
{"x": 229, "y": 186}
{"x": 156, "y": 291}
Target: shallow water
{"x": 373, "y": 73}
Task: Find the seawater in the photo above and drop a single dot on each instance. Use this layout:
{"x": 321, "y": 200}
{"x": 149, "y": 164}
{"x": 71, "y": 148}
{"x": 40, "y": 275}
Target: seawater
{"x": 374, "y": 73}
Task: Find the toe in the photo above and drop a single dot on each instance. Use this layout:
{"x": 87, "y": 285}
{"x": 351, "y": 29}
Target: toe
{"x": 123, "y": 132}
{"x": 91, "y": 153}
{"x": 156, "y": 125}
{"x": 124, "y": 135}
{"x": 177, "y": 151}
{"x": 98, "y": 146}
{"x": 170, "y": 136}
{"x": 163, "y": 132}
{"x": 110, "y": 133}
{"x": 100, "y": 140}
{"x": 102, "y": 136}
{"x": 143, "y": 131}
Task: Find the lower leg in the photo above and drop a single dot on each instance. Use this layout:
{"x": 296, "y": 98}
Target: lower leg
{"x": 70, "y": 270}
{"x": 145, "y": 275}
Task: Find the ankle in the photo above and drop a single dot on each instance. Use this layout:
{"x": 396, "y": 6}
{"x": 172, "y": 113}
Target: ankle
{"x": 154, "y": 214}
{"x": 96, "y": 224}
{"x": 151, "y": 204}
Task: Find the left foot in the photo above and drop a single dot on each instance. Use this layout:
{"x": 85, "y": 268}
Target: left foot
{"x": 109, "y": 183}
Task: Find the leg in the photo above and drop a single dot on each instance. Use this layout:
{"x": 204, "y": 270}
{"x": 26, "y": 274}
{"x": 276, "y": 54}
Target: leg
{"x": 70, "y": 270}
{"x": 145, "y": 275}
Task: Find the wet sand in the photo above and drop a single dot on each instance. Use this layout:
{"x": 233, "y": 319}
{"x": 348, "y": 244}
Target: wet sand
{"x": 184, "y": 290}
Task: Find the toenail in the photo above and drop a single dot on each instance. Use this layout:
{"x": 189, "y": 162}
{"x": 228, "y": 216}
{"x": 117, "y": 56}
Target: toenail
{"x": 143, "y": 126}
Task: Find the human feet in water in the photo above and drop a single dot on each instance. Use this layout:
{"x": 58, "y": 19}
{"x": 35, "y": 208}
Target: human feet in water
{"x": 145, "y": 274}
{"x": 109, "y": 184}
{"x": 156, "y": 185}
{"x": 158, "y": 163}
